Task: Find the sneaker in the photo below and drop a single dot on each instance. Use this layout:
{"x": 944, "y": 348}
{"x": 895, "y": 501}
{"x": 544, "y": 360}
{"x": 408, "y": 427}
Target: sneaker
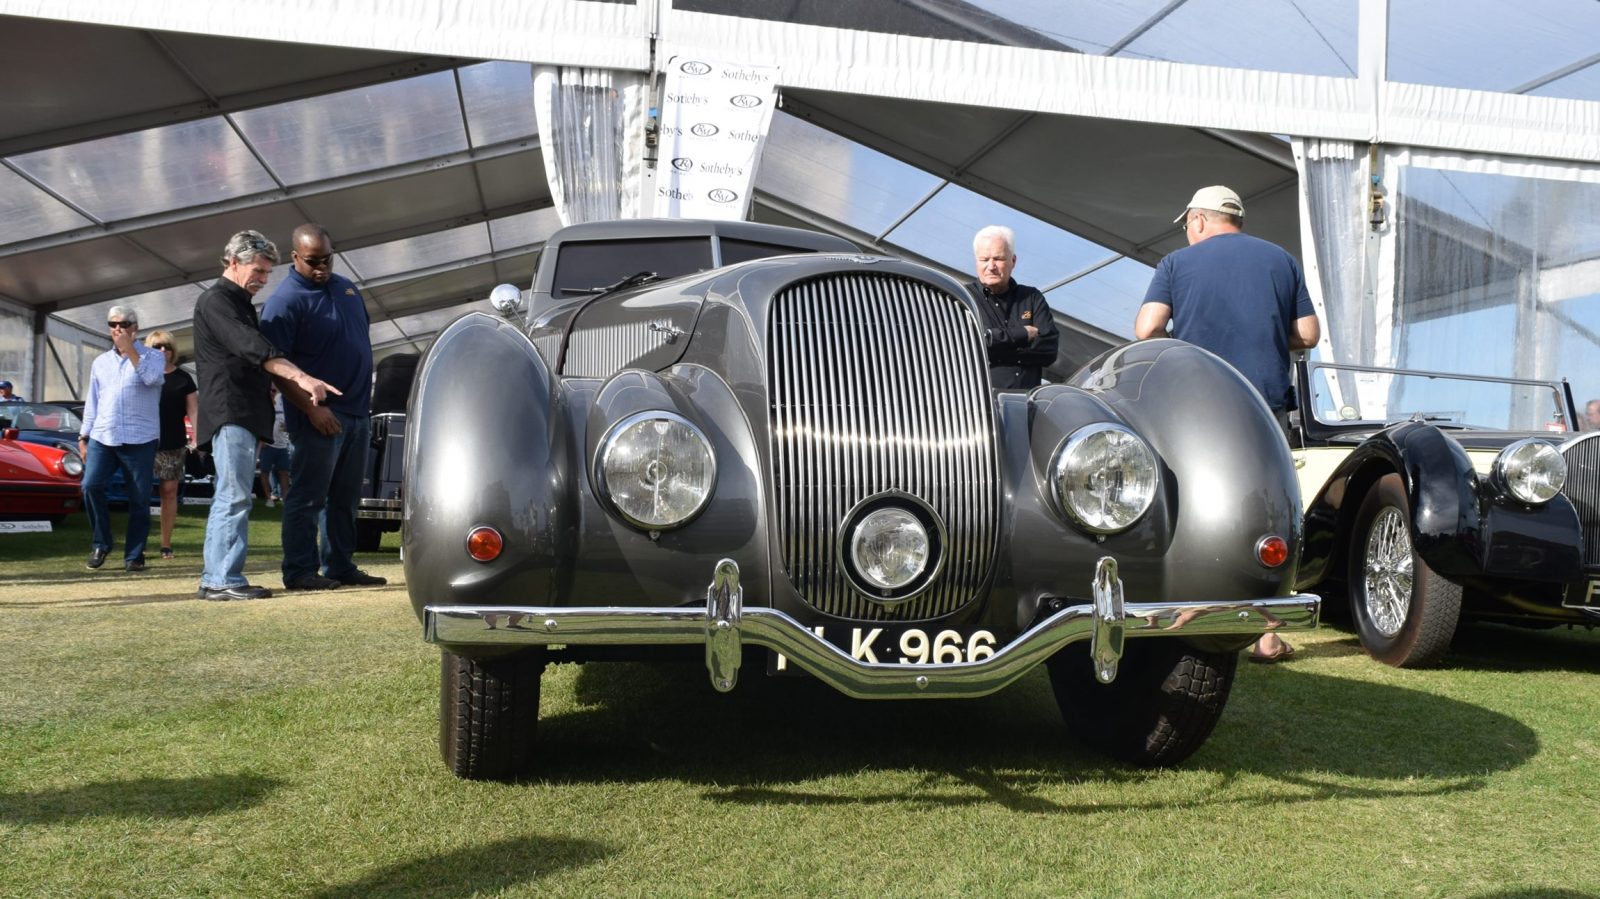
{"x": 272, "y": 501}
{"x": 359, "y": 578}
{"x": 311, "y": 582}
{"x": 97, "y": 557}
{"x": 242, "y": 591}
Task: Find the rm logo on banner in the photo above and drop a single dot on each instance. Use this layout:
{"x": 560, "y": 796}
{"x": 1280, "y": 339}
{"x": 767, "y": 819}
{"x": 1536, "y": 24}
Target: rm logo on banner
{"x": 714, "y": 122}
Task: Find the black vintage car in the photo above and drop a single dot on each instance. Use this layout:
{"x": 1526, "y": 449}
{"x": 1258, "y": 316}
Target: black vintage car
{"x": 1432, "y": 498}
{"x": 757, "y": 447}
{"x": 378, "y": 511}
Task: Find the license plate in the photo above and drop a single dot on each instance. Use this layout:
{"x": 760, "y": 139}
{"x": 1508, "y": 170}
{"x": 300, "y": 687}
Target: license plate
{"x": 891, "y": 644}
{"x": 1583, "y": 595}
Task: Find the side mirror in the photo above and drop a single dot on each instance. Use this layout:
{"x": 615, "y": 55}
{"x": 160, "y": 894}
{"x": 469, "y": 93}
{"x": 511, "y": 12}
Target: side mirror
{"x": 507, "y": 300}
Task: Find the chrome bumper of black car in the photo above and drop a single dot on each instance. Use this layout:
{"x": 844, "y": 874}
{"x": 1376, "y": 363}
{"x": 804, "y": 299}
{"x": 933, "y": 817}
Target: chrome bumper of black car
{"x": 724, "y": 626}
{"x": 383, "y": 509}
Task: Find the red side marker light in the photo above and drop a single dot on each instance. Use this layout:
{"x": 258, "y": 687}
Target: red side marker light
{"x": 484, "y": 544}
{"x": 1272, "y": 551}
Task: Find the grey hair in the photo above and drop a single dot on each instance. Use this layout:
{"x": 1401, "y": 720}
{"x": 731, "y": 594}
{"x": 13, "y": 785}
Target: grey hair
{"x": 245, "y": 246}
{"x": 126, "y": 313}
{"x": 991, "y": 232}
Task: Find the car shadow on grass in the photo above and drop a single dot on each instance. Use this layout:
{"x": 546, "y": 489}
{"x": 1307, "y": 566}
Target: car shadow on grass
{"x": 475, "y": 871}
{"x": 1318, "y": 736}
{"x": 144, "y": 797}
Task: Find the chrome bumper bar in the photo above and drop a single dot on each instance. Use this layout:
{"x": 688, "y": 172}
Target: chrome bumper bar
{"x": 724, "y": 626}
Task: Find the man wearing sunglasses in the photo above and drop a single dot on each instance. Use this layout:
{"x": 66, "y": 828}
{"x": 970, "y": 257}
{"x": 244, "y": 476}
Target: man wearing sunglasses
{"x": 319, "y": 320}
{"x": 121, "y": 426}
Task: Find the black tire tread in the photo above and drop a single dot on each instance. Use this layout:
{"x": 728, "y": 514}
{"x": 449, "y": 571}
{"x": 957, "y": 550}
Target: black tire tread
{"x": 1164, "y": 704}
{"x": 489, "y": 714}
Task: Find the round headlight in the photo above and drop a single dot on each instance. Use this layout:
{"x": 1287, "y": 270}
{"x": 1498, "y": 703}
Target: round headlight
{"x": 890, "y": 548}
{"x": 1105, "y": 477}
{"x": 656, "y": 469}
{"x": 1531, "y": 470}
{"x": 71, "y": 465}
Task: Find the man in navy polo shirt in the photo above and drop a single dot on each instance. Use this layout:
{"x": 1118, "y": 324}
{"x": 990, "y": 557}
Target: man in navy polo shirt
{"x": 319, "y": 320}
{"x": 1240, "y": 297}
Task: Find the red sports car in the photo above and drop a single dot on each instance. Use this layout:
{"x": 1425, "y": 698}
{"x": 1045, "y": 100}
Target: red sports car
{"x": 38, "y": 482}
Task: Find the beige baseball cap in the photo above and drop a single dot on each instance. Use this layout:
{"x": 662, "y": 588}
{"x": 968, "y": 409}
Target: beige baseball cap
{"x": 1217, "y": 197}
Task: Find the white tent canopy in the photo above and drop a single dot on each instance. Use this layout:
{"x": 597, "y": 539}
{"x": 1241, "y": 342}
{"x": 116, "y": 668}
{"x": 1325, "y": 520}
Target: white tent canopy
{"x": 138, "y": 134}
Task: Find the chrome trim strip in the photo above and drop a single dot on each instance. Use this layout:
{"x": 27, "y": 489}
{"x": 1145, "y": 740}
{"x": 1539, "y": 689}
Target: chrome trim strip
{"x": 380, "y": 509}
{"x": 481, "y": 625}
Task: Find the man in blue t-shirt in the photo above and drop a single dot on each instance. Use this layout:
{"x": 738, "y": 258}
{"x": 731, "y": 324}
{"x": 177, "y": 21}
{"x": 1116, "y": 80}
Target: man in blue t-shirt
{"x": 1240, "y": 297}
{"x": 319, "y": 321}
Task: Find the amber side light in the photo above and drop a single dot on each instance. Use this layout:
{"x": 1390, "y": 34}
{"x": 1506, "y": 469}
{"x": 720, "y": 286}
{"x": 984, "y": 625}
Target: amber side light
{"x": 484, "y": 544}
{"x": 1272, "y": 551}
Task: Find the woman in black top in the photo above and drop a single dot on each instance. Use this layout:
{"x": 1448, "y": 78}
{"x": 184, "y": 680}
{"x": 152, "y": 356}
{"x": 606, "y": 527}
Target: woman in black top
{"x": 179, "y": 398}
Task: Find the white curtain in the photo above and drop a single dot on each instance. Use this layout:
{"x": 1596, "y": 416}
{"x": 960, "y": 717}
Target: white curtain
{"x": 1333, "y": 237}
{"x": 590, "y": 128}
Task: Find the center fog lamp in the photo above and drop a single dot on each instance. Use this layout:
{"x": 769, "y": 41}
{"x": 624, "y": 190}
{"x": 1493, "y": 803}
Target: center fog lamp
{"x": 656, "y": 470}
{"x": 890, "y": 548}
{"x": 1531, "y": 470}
{"x": 1104, "y": 477}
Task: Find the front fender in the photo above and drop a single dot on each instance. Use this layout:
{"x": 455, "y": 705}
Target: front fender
{"x": 490, "y": 445}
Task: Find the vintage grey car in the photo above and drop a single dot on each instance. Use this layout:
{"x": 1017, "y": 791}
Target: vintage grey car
{"x": 759, "y": 448}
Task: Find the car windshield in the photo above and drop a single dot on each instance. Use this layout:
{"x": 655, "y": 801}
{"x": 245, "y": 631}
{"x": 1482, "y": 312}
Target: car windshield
{"x": 1348, "y": 395}
{"x": 40, "y": 417}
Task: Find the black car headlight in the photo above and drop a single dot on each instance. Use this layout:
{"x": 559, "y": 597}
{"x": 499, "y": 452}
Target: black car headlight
{"x": 1105, "y": 477}
{"x": 1531, "y": 470}
{"x": 656, "y": 469}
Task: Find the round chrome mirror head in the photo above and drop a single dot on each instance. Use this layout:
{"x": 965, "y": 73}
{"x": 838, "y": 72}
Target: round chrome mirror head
{"x": 506, "y": 299}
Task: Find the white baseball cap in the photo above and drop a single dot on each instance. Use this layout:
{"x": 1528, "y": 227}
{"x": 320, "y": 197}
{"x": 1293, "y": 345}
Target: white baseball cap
{"x": 1216, "y": 197}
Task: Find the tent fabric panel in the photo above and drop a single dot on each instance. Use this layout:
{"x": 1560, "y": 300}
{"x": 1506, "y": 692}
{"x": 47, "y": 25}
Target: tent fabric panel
{"x": 195, "y": 246}
{"x": 1485, "y": 122}
{"x": 512, "y": 180}
{"x": 1025, "y": 79}
{"x": 27, "y": 212}
{"x": 358, "y": 214}
{"x": 108, "y": 263}
{"x": 562, "y": 32}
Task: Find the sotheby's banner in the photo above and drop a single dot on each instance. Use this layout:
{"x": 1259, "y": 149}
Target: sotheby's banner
{"x": 714, "y": 121}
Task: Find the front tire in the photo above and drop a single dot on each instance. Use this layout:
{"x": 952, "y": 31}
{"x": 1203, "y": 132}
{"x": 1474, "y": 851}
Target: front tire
{"x": 1167, "y": 698}
{"x": 1405, "y": 613}
{"x": 489, "y": 713}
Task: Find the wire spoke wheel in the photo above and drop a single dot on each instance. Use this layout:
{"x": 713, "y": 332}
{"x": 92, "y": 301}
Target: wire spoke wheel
{"x": 1404, "y": 612}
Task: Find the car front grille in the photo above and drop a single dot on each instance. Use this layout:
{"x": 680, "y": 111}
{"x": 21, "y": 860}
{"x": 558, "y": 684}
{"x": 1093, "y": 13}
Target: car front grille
{"x": 879, "y": 383}
{"x": 1583, "y": 488}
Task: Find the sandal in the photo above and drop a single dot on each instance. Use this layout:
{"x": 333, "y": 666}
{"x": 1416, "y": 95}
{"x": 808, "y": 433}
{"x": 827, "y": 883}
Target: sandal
{"x": 166, "y": 552}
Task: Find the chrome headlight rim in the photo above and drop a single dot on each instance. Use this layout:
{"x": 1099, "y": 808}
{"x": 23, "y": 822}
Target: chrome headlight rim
{"x": 70, "y": 464}
{"x": 1064, "y": 455}
{"x": 932, "y": 525}
{"x": 608, "y": 444}
{"x": 1520, "y": 455}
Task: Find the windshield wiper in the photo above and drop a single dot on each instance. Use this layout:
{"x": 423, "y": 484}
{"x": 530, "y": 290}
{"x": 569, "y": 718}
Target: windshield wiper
{"x": 633, "y": 280}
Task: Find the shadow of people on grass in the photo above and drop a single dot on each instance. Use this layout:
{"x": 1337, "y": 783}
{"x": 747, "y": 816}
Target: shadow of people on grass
{"x": 642, "y": 721}
{"x": 478, "y": 870}
{"x": 145, "y": 797}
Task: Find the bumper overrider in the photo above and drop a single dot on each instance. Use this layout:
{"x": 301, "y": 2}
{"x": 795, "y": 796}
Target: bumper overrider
{"x": 724, "y": 626}
{"x": 380, "y": 509}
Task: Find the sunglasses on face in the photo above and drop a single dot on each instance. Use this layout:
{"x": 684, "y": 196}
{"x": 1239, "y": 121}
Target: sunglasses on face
{"x": 122, "y": 324}
{"x": 316, "y": 261}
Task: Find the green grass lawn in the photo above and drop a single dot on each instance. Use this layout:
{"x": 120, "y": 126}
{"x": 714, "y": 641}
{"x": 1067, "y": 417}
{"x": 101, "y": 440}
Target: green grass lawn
{"x": 155, "y": 745}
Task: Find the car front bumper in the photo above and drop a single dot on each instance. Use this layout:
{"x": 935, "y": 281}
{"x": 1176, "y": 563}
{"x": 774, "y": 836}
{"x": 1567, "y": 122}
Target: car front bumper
{"x": 379, "y": 509}
{"x": 724, "y": 626}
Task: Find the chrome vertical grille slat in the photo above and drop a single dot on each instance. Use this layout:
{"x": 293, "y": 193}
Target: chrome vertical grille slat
{"x": 1583, "y": 489}
{"x": 879, "y": 383}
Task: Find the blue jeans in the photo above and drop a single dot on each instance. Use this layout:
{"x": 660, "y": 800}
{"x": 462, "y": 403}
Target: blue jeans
{"x": 137, "y": 461}
{"x": 233, "y": 448}
{"x": 326, "y": 473}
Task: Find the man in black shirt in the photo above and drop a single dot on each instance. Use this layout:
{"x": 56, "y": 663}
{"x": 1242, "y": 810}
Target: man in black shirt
{"x": 234, "y": 362}
{"x": 1019, "y": 330}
